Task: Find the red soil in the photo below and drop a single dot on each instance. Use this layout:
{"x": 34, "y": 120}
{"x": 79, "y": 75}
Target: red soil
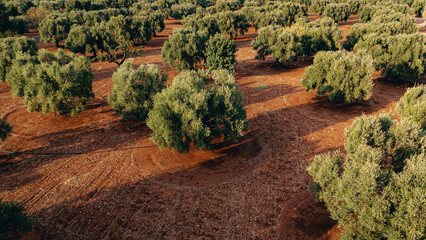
{"x": 96, "y": 176}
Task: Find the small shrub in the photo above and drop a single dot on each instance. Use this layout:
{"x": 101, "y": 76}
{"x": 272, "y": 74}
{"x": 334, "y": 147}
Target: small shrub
{"x": 377, "y": 189}
{"x": 52, "y": 82}
{"x": 345, "y": 75}
{"x": 197, "y": 108}
{"x": 413, "y": 105}
{"x": 13, "y": 219}
{"x": 337, "y": 11}
{"x": 5, "y": 130}
{"x": 220, "y": 53}
{"x": 133, "y": 90}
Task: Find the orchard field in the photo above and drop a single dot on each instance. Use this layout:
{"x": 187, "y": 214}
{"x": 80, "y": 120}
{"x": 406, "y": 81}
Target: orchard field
{"x": 93, "y": 172}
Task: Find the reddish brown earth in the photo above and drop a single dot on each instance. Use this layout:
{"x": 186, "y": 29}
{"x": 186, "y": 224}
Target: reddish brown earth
{"x": 96, "y": 176}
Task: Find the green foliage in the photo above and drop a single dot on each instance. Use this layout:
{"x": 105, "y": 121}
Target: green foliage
{"x": 202, "y": 24}
{"x": 418, "y": 7}
{"x": 284, "y": 14}
{"x": 54, "y": 28}
{"x": 9, "y": 47}
{"x": 369, "y": 11}
{"x": 35, "y": 15}
{"x": 319, "y": 6}
{"x": 13, "y": 218}
{"x": 377, "y": 190}
{"x": 388, "y": 25}
{"x": 5, "y": 130}
{"x": 322, "y": 34}
{"x": 399, "y": 57}
{"x": 178, "y": 11}
{"x": 18, "y": 7}
{"x": 184, "y": 49}
{"x": 302, "y": 39}
{"x": 264, "y": 41}
{"x": 197, "y": 108}
{"x": 337, "y": 11}
{"x": 19, "y": 23}
{"x": 227, "y": 5}
{"x": 71, "y": 5}
{"x": 133, "y": 90}
{"x": 51, "y": 82}
{"x": 232, "y": 23}
{"x": 220, "y": 53}
{"x": 345, "y": 75}
{"x": 4, "y": 18}
{"x": 413, "y": 105}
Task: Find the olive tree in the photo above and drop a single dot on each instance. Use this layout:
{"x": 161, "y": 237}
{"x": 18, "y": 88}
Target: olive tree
{"x": 133, "y": 90}
{"x": 232, "y": 23}
{"x": 337, "y": 11}
{"x": 54, "y": 28}
{"x": 302, "y": 39}
{"x": 51, "y": 82}
{"x": 395, "y": 24}
{"x": 184, "y": 49}
{"x": 398, "y": 57}
{"x": 9, "y": 47}
{"x": 197, "y": 108}
{"x": 178, "y": 11}
{"x": 220, "y": 53}
{"x": 376, "y": 189}
{"x": 346, "y": 76}
{"x": 413, "y": 105}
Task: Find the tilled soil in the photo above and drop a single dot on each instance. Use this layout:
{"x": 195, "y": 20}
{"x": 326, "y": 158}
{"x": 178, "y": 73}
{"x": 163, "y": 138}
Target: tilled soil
{"x": 96, "y": 176}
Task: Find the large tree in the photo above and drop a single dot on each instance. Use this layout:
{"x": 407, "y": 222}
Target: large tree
{"x": 197, "y": 108}
{"x": 377, "y": 189}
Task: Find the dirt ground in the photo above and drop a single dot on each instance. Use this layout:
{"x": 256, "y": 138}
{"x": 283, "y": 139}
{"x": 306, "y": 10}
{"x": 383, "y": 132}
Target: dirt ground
{"x": 96, "y": 176}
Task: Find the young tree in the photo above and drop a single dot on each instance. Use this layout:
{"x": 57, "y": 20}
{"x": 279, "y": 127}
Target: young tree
{"x": 345, "y": 75}
{"x": 5, "y": 130}
{"x": 220, "y": 53}
{"x": 133, "y": 90}
{"x": 337, "y": 11}
{"x": 51, "y": 82}
{"x": 184, "y": 49}
{"x": 377, "y": 189}
{"x": 197, "y": 108}
{"x": 9, "y": 47}
{"x": 413, "y": 105}
{"x": 13, "y": 219}
{"x": 55, "y": 28}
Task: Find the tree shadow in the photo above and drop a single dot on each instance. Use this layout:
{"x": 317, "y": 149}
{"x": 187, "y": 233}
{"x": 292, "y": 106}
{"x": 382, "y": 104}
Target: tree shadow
{"x": 79, "y": 141}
